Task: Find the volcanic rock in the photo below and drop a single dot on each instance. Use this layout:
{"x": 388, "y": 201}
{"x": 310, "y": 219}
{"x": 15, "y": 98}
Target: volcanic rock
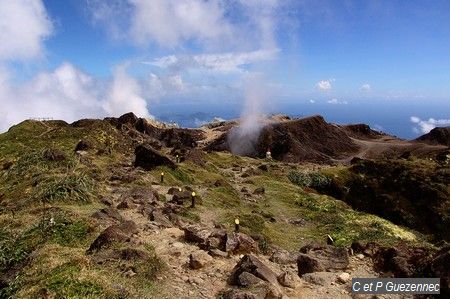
{"x": 322, "y": 258}
{"x": 198, "y": 259}
{"x": 82, "y": 145}
{"x": 115, "y": 233}
{"x": 284, "y": 257}
{"x": 149, "y": 158}
{"x": 246, "y": 279}
{"x": 240, "y": 243}
{"x": 251, "y": 264}
{"x": 362, "y": 131}
{"x": 439, "y": 135}
{"x": 108, "y": 212}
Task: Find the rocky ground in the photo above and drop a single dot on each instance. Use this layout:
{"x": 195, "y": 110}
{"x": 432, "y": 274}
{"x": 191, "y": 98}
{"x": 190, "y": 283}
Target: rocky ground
{"x": 84, "y": 213}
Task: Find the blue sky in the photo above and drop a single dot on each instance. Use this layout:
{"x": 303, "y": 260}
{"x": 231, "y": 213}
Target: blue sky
{"x": 92, "y": 58}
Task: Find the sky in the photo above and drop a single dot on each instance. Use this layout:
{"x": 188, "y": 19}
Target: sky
{"x": 385, "y": 63}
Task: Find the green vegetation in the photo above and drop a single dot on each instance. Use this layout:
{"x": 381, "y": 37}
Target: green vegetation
{"x": 314, "y": 179}
{"x": 73, "y": 186}
{"x": 64, "y": 282}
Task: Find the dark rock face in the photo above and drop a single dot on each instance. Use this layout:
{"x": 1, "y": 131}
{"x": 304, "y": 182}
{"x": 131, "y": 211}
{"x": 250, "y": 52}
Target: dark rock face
{"x": 436, "y": 136}
{"x": 109, "y": 212}
{"x": 240, "y": 243}
{"x": 251, "y": 264}
{"x": 208, "y": 239}
{"x": 82, "y": 145}
{"x": 284, "y": 257}
{"x": 246, "y": 279}
{"x": 306, "y": 139}
{"x": 362, "y": 131}
{"x": 196, "y": 234}
{"x": 181, "y": 137}
{"x": 53, "y": 154}
{"x": 179, "y": 197}
{"x": 115, "y": 233}
{"x": 321, "y": 258}
{"x": 128, "y": 118}
{"x": 149, "y": 158}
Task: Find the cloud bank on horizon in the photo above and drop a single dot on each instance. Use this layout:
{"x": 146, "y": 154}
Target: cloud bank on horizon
{"x": 97, "y": 58}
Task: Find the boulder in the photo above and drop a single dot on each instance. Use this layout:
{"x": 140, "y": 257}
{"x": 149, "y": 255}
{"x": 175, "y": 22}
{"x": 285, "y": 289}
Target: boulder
{"x": 115, "y": 233}
{"x": 198, "y": 259}
{"x": 196, "y": 234}
{"x": 149, "y": 158}
{"x": 240, "y": 243}
{"x": 251, "y": 264}
{"x": 108, "y": 213}
{"x": 128, "y": 118}
{"x": 288, "y": 280}
{"x": 158, "y": 216}
{"x": 284, "y": 257}
{"x": 246, "y": 279}
{"x": 180, "y": 197}
{"x": 82, "y": 145}
{"x": 322, "y": 258}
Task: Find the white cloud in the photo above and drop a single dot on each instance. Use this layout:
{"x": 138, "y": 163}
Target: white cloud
{"x": 312, "y": 101}
{"x": 223, "y": 62}
{"x": 324, "y": 84}
{"x": 169, "y": 24}
{"x": 365, "y": 87}
{"x": 335, "y": 101}
{"x": 425, "y": 126}
{"x": 125, "y": 95}
{"x": 69, "y": 94}
{"x": 24, "y": 25}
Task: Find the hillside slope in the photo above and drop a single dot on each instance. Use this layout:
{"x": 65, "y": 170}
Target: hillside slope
{"x": 79, "y": 219}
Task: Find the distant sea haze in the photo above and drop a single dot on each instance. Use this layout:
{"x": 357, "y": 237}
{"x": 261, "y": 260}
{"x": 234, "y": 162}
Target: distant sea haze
{"x": 390, "y": 116}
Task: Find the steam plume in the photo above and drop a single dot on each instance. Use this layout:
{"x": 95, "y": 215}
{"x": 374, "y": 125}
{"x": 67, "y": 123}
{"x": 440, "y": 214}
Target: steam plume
{"x": 243, "y": 138}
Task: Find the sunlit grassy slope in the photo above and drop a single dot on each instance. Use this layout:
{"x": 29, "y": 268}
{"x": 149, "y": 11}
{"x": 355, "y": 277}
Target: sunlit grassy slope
{"x": 39, "y": 258}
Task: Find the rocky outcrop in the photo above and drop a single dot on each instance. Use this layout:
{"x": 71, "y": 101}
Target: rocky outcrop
{"x": 306, "y": 139}
{"x": 239, "y": 243}
{"x": 251, "y": 264}
{"x": 115, "y": 233}
{"x": 318, "y": 258}
{"x": 362, "y": 131}
{"x": 199, "y": 259}
{"x": 149, "y": 158}
{"x": 440, "y": 135}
